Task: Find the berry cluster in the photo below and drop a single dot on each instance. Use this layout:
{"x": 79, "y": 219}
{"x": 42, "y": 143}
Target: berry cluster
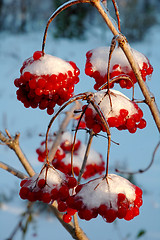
{"x": 111, "y": 197}
{"x": 62, "y": 158}
{"x": 97, "y": 65}
{"x": 46, "y": 81}
{"x": 118, "y": 110}
{"x": 48, "y": 186}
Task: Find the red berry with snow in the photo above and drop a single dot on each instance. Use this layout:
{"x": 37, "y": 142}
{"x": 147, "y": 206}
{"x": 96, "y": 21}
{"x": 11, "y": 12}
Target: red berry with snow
{"x": 111, "y": 197}
{"x": 118, "y": 110}
{"x": 97, "y": 64}
{"x": 46, "y": 81}
{"x": 47, "y": 186}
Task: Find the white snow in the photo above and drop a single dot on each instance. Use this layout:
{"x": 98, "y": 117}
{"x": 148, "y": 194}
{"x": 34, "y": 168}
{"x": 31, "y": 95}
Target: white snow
{"x": 118, "y": 100}
{"x": 54, "y": 177}
{"x": 99, "y": 59}
{"x": 93, "y": 157}
{"x": 99, "y": 191}
{"x": 48, "y": 65}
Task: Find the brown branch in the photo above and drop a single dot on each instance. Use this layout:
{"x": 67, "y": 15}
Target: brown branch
{"x": 127, "y": 50}
{"x": 117, "y": 14}
{"x": 86, "y": 155}
{"x": 77, "y": 234}
{"x": 13, "y": 143}
{"x": 12, "y": 170}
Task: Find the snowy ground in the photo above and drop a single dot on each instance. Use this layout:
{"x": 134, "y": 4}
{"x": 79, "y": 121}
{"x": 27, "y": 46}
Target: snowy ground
{"x": 135, "y": 151}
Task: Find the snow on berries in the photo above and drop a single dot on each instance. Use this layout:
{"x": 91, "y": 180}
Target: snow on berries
{"x": 118, "y": 110}
{"x": 111, "y": 197}
{"x": 62, "y": 159}
{"x": 49, "y": 185}
{"x": 97, "y": 65}
{"x": 46, "y": 81}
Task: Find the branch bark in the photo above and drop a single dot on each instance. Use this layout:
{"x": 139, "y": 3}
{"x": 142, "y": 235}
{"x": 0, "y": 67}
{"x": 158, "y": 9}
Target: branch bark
{"x": 13, "y": 143}
{"x": 12, "y": 170}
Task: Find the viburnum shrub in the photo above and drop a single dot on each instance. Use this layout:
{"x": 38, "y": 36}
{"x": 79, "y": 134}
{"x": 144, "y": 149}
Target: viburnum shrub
{"x": 47, "y": 81}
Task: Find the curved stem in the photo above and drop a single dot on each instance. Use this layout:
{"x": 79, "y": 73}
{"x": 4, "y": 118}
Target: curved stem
{"x": 62, "y": 127}
{"x": 145, "y": 169}
{"x": 59, "y": 10}
{"x": 118, "y": 78}
{"x": 77, "y": 97}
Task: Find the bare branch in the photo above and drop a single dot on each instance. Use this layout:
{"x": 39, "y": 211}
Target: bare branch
{"x": 12, "y": 170}
{"x": 13, "y": 143}
{"x": 78, "y": 234}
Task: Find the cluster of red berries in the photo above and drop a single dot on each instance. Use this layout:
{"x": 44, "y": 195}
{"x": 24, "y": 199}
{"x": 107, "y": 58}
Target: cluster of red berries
{"x": 46, "y": 81}
{"x": 112, "y": 197}
{"x": 97, "y": 64}
{"x": 62, "y": 159}
{"x": 119, "y": 111}
{"x": 48, "y": 186}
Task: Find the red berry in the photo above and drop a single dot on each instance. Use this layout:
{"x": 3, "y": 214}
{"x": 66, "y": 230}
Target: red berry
{"x": 24, "y": 192}
{"x": 123, "y": 113}
{"x": 41, "y": 183}
{"x": 72, "y": 182}
{"x": 130, "y": 123}
{"x": 46, "y": 197}
{"x": 67, "y": 218}
{"x": 54, "y": 193}
{"x": 63, "y": 192}
{"x": 23, "y": 182}
{"x": 110, "y": 216}
{"x": 142, "y": 124}
{"x": 71, "y": 211}
{"x": 62, "y": 207}
{"x": 37, "y": 55}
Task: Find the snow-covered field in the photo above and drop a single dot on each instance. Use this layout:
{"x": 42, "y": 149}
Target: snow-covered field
{"x": 135, "y": 150}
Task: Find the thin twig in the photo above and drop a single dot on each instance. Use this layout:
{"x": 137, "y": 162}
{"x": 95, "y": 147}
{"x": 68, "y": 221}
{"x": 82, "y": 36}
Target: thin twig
{"x": 79, "y": 235}
{"x": 12, "y": 170}
{"x": 58, "y": 11}
{"x": 62, "y": 127}
{"x": 141, "y": 170}
{"x": 117, "y": 14}
{"x": 13, "y": 143}
{"x": 86, "y": 156}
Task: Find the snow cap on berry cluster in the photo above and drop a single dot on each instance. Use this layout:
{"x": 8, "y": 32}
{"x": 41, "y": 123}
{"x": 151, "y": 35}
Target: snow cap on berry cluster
{"x": 97, "y": 65}
{"x": 118, "y": 110}
{"x": 47, "y": 65}
{"x": 111, "y": 197}
{"x": 49, "y": 185}
{"x": 98, "y": 191}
